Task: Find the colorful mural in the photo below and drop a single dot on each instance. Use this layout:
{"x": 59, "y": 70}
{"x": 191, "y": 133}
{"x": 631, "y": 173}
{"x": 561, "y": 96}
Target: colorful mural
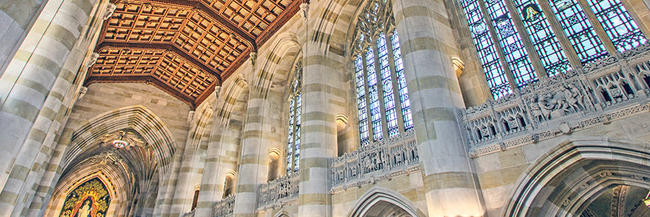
{"x": 90, "y": 199}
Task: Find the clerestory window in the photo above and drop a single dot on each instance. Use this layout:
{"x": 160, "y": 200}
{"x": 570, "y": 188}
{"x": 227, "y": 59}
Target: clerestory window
{"x": 500, "y": 27}
{"x": 295, "y": 106}
{"x": 384, "y": 109}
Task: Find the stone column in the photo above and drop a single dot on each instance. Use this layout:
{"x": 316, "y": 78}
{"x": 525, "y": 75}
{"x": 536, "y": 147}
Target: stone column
{"x": 183, "y": 190}
{"x": 223, "y": 149}
{"x": 16, "y": 17}
{"x": 26, "y": 84}
{"x": 323, "y": 99}
{"x": 253, "y": 168}
{"x": 428, "y": 45}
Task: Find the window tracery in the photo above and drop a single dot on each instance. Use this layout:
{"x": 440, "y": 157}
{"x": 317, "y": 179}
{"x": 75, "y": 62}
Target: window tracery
{"x": 382, "y": 96}
{"x": 498, "y": 38}
{"x": 295, "y": 120}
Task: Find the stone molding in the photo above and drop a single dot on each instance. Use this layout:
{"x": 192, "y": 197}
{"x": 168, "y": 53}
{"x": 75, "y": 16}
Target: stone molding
{"x": 610, "y": 89}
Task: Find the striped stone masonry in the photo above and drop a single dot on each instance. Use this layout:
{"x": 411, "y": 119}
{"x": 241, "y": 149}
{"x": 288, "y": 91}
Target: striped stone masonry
{"x": 428, "y": 46}
{"x": 34, "y": 86}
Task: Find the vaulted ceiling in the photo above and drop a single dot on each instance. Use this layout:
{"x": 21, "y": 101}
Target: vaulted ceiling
{"x": 185, "y": 47}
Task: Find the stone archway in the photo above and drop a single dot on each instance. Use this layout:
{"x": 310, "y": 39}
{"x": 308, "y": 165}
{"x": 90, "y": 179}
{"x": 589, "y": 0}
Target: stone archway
{"x": 132, "y": 171}
{"x": 570, "y": 177}
{"x": 379, "y": 202}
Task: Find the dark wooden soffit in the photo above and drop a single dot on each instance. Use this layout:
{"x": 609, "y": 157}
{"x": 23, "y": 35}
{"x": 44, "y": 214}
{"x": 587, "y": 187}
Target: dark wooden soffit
{"x": 185, "y": 47}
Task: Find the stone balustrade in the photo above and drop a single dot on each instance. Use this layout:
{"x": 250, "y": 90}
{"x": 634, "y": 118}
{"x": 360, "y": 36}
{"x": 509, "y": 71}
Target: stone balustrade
{"x": 612, "y": 88}
{"x": 375, "y": 161}
{"x": 224, "y": 208}
{"x": 278, "y": 191}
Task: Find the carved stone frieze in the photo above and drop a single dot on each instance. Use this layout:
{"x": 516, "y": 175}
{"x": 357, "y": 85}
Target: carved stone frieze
{"x": 384, "y": 159}
{"x": 600, "y": 92}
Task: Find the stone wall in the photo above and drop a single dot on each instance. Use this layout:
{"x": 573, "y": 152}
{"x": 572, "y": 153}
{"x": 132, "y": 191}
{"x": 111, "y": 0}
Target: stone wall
{"x": 499, "y": 173}
{"x": 105, "y": 97}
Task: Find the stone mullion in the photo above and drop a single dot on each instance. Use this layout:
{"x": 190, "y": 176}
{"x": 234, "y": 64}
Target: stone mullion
{"x": 428, "y": 46}
{"x": 567, "y": 47}
{"x": 394, "y": 79}
{"x": 380, "y": 90}
{"x": 600, "y": 31}
{"x": 533, "y": 56}
{"x": 502, "y": 57}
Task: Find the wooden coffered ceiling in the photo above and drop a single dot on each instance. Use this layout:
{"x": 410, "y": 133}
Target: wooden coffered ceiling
{"x": 185, "y": 47}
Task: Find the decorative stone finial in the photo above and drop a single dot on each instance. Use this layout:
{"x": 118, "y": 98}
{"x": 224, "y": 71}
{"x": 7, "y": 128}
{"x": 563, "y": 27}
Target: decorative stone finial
{"x": 93, "y": 59}
{"x": 110, "y": 9}
{"x": 82, "y": 92}
{"x": 304, "y": 9}
{"x": 253, "y": 57}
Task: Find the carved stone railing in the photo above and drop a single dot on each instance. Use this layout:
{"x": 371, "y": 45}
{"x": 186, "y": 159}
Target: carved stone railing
{"x": 224, "y": 208}
{"x": 375, "y": 161}
{"x": 278, "y": 191}
{"x": 609, "y": 89}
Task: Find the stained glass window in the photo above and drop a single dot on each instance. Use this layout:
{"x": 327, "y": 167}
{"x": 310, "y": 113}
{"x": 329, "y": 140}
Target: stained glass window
{"x": 387, "y": 86}
{"x": 513, "y": 48}
{"x": 492, "y": 28}
{"x": 401, "y": 83}
{"x": 375, "y": 110}
{"x": 487, "y": 53}
{"x": 579, "y": 30}
{"x": 618, "y": 24}
{"x": 379, "y": 75}
{"x": 295, "y": 120}
{"x": 290, "y": 137}
{"x": 361, "y": 100}
{"x": 542, "y": 36}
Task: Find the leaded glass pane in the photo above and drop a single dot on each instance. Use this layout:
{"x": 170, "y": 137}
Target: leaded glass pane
{"x": 401, "y": 83}
{"x": 387, "y": 86}
{"x": 487, "y": 52}
{"x": 542, "y": 36}
{"x": 296, "y": 159}
{"x": 373, "y": 95}
{"x": 513, "y": 48}
{"x": 579, "y": 30}
{"x": 618, "y": 24}
{"x": 361, "y": 100}
{"x": 290, "y": 136}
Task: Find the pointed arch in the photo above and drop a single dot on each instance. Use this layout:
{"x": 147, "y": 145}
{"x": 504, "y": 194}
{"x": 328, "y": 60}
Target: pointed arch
{"x": 378, "y": 195}
{"x": 114, "y": 179}
{"x": 153, "y": 130}
{"x": 566, "y": 179}
{"x": 278, "y": 62}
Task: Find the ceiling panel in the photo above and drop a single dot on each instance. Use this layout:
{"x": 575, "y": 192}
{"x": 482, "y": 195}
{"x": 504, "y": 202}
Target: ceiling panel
{"x": 186, "y": 47}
